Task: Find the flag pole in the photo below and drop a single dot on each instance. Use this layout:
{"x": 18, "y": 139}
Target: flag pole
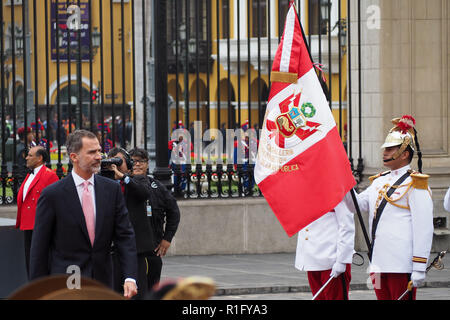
{"x": 326, "y": 93}
{"x": 361, "y": 222}
{"x": 322, "y": 82}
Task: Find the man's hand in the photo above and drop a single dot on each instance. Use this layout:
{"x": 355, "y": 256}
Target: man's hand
{"x": 117, "y": 174}
{"x": 129, "y": 289}
{"x": 337, "y": 269}
{"x": 418, "y": 278}
{"x": 162, "y": 248}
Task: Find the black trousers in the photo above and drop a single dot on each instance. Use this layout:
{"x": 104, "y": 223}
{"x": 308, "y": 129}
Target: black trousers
{"x": 27, "y": 235}
{"x": 154, "y": 264}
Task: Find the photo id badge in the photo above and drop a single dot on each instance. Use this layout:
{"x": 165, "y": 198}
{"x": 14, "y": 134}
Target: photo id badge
{"x": 149, "y": 209}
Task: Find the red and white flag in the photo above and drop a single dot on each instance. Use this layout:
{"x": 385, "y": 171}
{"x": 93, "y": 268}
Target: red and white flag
{"x": 302, "y": 168}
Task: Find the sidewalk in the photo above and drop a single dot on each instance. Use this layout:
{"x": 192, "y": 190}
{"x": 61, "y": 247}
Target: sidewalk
{"x": 271, "y": 273}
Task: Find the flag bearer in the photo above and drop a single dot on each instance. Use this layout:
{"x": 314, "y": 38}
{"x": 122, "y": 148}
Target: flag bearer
{"x": 325, "y": 249}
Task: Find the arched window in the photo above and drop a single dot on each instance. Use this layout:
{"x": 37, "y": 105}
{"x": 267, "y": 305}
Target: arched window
{"x": 72, "y": 100}
{"x": 19, "y": 93}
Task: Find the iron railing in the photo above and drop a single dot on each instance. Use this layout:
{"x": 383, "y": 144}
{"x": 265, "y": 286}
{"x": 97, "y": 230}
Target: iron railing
{"x": 97, "y": 76}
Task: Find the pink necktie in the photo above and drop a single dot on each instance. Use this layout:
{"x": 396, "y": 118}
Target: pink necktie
{"x": 88, "y": 210}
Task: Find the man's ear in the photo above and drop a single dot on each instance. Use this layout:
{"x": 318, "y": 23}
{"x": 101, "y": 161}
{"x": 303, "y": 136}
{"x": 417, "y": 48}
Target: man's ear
{"x": 405, "y": 155}
{"x": 73, "y": 156}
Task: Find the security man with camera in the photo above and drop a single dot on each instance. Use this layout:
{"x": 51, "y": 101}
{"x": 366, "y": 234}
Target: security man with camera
{"x": 136, "y": 192}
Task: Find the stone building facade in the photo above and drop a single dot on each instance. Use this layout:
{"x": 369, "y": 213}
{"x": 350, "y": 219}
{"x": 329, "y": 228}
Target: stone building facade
{"x": 404, "y": 70}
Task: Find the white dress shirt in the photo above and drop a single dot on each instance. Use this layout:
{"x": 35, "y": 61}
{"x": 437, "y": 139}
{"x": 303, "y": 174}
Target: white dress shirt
{"x": 30, "y": 180}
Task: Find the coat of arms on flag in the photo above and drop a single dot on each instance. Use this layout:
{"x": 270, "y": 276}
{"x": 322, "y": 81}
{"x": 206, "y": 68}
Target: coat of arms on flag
{"x": 300, "y": 150}
{"x": 292, "y": 121}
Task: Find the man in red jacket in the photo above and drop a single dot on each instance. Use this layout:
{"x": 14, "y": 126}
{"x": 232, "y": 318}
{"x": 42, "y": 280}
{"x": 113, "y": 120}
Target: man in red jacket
{"x": 29, "y": 192}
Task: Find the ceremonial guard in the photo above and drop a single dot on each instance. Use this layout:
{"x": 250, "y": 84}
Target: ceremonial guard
{"x": 325, "y": 249}
{"x": 400, "y": 216}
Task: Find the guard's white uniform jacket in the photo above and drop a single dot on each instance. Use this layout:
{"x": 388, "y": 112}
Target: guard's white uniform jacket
{"x": 326, "y": 240}
{"x": 447, "y": 200}
{"x": 403, "y": 237}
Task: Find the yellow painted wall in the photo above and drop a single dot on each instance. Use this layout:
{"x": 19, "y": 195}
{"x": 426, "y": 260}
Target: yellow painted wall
{"x": 223, "y": 74}
{"x": 116, "y": 67}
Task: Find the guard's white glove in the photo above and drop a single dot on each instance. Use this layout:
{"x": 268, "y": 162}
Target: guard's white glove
{"x": 337, "y": 269}
{"x": 418, "y": 278}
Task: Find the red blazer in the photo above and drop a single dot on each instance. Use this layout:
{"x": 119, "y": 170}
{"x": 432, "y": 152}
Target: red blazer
{"x": 26, "y": 210}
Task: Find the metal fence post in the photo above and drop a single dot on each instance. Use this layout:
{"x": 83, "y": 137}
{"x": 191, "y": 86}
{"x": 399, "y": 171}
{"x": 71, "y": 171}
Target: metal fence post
{"x": 161, "y": 171}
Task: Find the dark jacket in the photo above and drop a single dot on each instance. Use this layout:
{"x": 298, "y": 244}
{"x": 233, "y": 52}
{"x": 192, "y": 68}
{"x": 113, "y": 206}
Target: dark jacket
{"x": 60, "y": 237}
{"x": 165, "y": 211}
{"x": 137, "y": 191}
{"x": 150, "y": 230}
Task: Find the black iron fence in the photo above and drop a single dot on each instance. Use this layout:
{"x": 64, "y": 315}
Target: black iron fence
{"x": 88, "y": 64}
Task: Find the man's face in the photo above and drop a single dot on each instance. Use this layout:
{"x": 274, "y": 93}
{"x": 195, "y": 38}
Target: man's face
{"x": 399, "y": 162}
{"x": 123, "y": 167}
{"x": 140, "y": 166}
{"x": 33, "y": 161}
{"x": 30, "y": 136}
{"x": 89, "y": 157}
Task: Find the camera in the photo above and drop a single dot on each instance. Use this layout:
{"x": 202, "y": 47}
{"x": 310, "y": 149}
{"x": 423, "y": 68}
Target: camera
{"x": 109, "y": 161}
{"x": 105, "y": 170}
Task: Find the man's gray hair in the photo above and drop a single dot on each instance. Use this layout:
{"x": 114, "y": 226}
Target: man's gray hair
{"x": 74, "y": 142}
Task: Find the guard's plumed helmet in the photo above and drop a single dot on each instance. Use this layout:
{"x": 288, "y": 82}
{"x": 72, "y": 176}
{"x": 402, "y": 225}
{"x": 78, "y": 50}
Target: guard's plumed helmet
{"x": 403, "y": 134}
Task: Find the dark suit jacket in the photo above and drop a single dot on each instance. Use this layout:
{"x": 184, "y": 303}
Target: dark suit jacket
{"x": 60, "y": 236}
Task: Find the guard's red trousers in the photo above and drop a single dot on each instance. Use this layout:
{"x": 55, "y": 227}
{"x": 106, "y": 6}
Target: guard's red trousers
{"x": 390, "y": 286}
{"x": 337, "y": 289}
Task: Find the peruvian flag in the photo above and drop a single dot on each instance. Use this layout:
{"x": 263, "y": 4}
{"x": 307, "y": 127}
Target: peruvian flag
{"x": 302, "y": 168}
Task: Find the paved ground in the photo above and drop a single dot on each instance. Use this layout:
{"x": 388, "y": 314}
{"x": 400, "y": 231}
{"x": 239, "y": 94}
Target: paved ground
{"x": 273, "y": 276}
{"x": 422, "y": 294}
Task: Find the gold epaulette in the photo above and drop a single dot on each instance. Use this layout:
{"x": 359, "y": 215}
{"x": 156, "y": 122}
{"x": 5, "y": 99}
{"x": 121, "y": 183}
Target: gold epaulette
{"x": 419, "y": 180}
{"x": 372, "y": 178}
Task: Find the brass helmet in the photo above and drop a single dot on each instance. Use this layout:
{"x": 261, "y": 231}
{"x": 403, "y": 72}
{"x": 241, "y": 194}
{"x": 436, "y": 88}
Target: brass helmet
{"x": 403, "y": 134}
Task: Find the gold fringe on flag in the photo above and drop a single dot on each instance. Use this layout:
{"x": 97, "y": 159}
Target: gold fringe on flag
{"x": 287, "y": 77}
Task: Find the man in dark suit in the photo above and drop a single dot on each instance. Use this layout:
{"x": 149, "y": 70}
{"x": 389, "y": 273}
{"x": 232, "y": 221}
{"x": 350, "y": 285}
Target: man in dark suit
{"x": 29, "y": 192}
{"x": 79, "y": 217}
